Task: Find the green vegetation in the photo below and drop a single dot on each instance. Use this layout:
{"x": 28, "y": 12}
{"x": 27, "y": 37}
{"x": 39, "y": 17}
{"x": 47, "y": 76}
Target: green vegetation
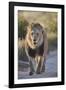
{"x": 22, "y": 25}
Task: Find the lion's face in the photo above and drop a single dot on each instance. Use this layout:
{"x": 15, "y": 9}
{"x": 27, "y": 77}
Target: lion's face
{"x": 35, "y": 35}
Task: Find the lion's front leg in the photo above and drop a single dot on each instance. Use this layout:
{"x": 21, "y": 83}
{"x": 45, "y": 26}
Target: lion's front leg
{"x": 41, "y": 65}
{"x": 33, "y": 65}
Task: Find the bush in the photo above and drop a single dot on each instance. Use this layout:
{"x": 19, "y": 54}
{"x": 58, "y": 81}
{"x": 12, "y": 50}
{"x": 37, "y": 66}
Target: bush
{"x": 22, "y": 25}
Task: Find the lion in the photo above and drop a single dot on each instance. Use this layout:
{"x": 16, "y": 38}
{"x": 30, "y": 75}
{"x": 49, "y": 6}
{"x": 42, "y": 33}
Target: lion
{"x": 36, "y": 47}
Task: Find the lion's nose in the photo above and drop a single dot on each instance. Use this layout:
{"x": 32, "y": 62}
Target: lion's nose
{"x": 34, "y": 40}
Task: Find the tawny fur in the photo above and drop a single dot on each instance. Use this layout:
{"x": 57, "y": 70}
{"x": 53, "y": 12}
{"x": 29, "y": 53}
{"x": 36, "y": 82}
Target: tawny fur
{"x": 36, "y": 62}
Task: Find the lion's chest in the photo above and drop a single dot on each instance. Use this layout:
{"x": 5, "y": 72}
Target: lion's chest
{"x": 38, "y": 51}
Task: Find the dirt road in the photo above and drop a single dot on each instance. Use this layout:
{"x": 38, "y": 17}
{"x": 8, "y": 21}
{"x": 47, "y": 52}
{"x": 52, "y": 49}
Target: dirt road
{"x": 50, "y": 71}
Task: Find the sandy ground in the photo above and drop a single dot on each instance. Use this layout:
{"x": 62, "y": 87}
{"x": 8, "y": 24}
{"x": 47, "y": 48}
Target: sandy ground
{"x": 50, "y": 70}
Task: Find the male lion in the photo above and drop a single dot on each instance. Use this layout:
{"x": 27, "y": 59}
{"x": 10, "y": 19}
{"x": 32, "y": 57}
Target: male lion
{"x": 36, "y": 47}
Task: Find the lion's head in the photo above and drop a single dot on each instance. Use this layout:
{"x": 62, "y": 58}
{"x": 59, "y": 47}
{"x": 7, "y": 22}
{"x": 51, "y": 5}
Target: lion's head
{"x": 35, "y": 35}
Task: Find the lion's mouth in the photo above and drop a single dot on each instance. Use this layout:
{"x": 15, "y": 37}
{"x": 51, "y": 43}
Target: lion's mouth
{"x": 35, "y": 43}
